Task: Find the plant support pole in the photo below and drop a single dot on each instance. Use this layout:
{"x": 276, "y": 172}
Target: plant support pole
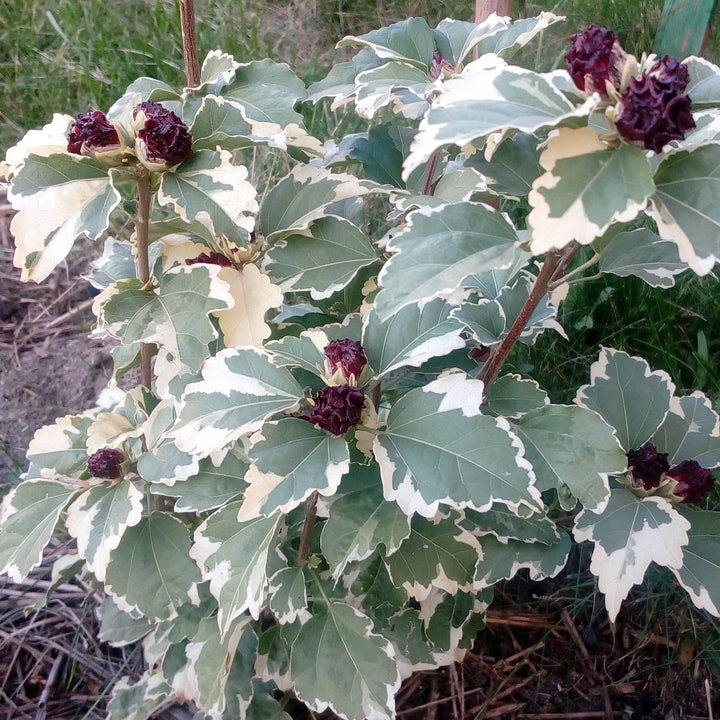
{"x": 142, "y": 243}
{"x": 190, "y": 53}
{"x": 485, "y": 8}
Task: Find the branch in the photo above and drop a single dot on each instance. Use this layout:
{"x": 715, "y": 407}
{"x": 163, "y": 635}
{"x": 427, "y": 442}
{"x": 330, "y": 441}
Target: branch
{"x": 142, "y": 223}
{"x": 310, "y": 515}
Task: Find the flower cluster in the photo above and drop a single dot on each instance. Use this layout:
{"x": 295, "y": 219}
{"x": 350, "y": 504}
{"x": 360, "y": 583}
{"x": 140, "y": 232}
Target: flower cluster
{"x": 595, "y": 59}
{"x": 337, "y": 408}
{"x": 346, "y": 355}
{"x": 652, "y": 109}
{"x": 162, "y": 140}
{"x": 213, "y": 258}
{"x": 650, "y": 469}
{"x": 106, "y": 464}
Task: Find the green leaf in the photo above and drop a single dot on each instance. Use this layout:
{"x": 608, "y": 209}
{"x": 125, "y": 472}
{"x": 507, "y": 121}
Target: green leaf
{"x": 512, "y": 396}
{"x": 98, "y": 518}
{"x": 700, "y": 570}
{"x": 150, "y": 572}
{"x": 30, "y": 512}
{"x": 410, "y": 337}
{"x": 627, "y": 395}
{"x": 218, "y": 68}
{"x": 572, "y": 446}
{"x": 176, "y": 315}
{"x": 211, "y": 487}
{"x": 360, "y": 520}
{"x": 437, "y": 554}
{"x": 704, "y": 86}
{"x": 210, "y": 189}
{"x": 304, "y": 351}
{"x": 240, "y": 389}
{"x": 291, "y": 459}
{"x": 686, "y": 212}
{"x": 303, "y": 196}
{"x": 233, "y": 556}
{"x": 587, "y": 187}
{"x": 452, "y": 621}
{"x": 323, "y": 259}
{"x": 374, "y": 589}
{"x": 411, "y": 650}
{"x": 491, "y": 96}
{"x": 690, "y": 431}
{"x": 117, "y": 263}
{"x": 438, "y": 248}
{"x": 506, "y": 525}
{"x": 429, "y": 452}
{"x": 409, "y": 39}
{"x": 631, "y": 533}
{"x": 643, "y": 254}
{"x": 380, "y": 151}
{"x": 503, "y": 559}
{"x": 337, "y": 661}
{"x": 58, "y": 198}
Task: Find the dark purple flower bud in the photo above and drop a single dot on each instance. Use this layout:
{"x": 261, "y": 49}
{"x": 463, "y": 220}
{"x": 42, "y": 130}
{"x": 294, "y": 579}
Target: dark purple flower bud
{"x": 337, "y": 408}
{"x": 214, "y": 258}
{"x": 163, "y": 140}
{"x": 650, "y": 116}
{"x": 439, "y": 63}
{"x": 348, "y": 355}
{"x": 106, "y": 463}
{"x": 671, "y": 74}
{"x": 694, "y": 482}
{"x": 479, "y": 353}
{"x": 92, "y": 133}
{"x": 647, "y": 466}
{"x": 594, "y": 57}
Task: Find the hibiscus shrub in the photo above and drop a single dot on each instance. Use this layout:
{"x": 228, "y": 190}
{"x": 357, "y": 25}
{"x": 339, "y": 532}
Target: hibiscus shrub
{"x": 326, "y": 466}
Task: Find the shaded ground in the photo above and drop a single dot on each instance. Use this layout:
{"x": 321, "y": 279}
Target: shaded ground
{"x": 548, "y": 651}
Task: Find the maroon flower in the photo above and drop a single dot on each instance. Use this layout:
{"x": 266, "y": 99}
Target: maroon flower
{"x": 651, "y": 115}
{"x": 214, "y": 258}
{"x": 337, "y": 408}
{"x": 106, "y": 463}
{"x": 594, "y": 57}
{"x": 647, "y": 466}
{"x": 164, "y": 140}
{"x": 348, "y": 355}
{"x": 671, "y": 74}
{"x": 91, "y": 133}
{"x": 439, "y": 63}
{"x": 694, "y": 482}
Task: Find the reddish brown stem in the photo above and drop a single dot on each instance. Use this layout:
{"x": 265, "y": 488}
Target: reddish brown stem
{"x": 489, "y": 371}
{"x": 189, "y": 38}
{"x": 310, "y": 515}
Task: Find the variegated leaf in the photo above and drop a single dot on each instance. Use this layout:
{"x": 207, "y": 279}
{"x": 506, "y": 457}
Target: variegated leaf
{"x": 233, "y": 556}
{"x": 291, "y": 459}
{"x": 437, "y": 554}
{"x": 139, "y": 700}
{"x": 512, "y": 396}
{"x": 491, "y": 96}
{"x": 98, "y": 518}
{"x": 587, "y": 186}
{"x": 360, "y": 519}
{"x": 175, "y": 315}
{"x": 631, "y": 533}
{"x": 150, "y": 572}
{"x": 60, "y": 449}
{"x": 410, "y": 337}
{"x": 29, "y": 514}
{"x": 429, "y": 453}
{"x": 240, "y": 389}
{"x": 627, "y": 395}
{"x": 338, "y": 662}
{"x": 437, "y": 249}
{"x": 208, "y": 188}
{"x": 323, "y": 259}
{"x": 58, "y": 198}
{"x": 287, "y": 595}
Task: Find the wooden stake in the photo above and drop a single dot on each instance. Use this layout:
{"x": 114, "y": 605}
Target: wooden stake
{"x": 485, "y": 8}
